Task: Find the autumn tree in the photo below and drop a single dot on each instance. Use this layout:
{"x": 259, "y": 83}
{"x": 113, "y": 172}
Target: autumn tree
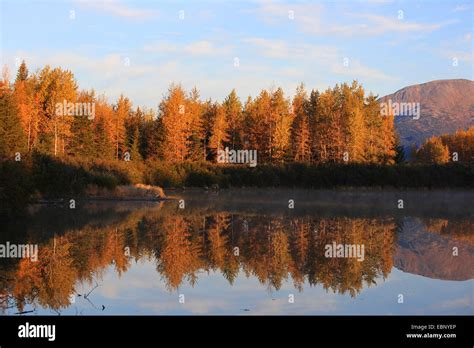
{"x": 352, "y": 112}
{"x": 82, "y": 133}
{"x": 329, "y": 128}
{"x": 12, "y": 139}
{"x": 123, "y": 109}
{"x": 316, "y": 127}
{"x": 54, "y": 87}
{"x": 373, "y": 124}
{"x": 194, "y": 112}
{"x": 461, "y": 143}
{"x": 135, "y": 146}
{"x": 300, "y": 131}
{"x": 152, "y": 136}
{"x": 257, "y": 114}
{"x": 22, "y": 73}
{"x": 433, "y": 151}
{"x": 280, "y": 125}
{"x": 234, "y": 117}
{"x": 82, "y": 141}
{"x": 219, "y": 131}
{"x": 176, "y": 125}
{"x": 25, "y": 98}
{"x": 387, "y": 138}
{"x": 104, "y": 129}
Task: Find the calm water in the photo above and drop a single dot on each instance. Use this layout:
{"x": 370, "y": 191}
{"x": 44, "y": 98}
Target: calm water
{"x": 245, "y": 252}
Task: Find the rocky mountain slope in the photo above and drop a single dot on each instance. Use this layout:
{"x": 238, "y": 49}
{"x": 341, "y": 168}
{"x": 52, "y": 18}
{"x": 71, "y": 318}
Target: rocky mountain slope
{"x": 445, "y": 107}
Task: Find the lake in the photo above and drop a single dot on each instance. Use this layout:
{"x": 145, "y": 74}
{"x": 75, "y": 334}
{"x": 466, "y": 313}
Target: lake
{"x": 246, "y": 252}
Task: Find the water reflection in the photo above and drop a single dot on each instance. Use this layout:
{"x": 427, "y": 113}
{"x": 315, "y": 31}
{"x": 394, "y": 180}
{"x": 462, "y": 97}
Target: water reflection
{"x": 274, "y": 246}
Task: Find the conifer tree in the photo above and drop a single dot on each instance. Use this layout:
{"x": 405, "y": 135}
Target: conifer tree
{"x": 12, "y": 139}
{"x": 82, "y": 142}
{"x": 194, "y": 110}
{"x": 234, "y": 115}
{"x": 103, "y": 147}
{"x": 25, "y": 97}
{"x": 300, "y": 132}
{"x": 176, "y": 125}
{"x": 122, "y": 112}
{"x": 219, "y": 129}
{"x": 22, "y": 73}
{"x": 135, "y": 146}
{"x": 433, "y": 151}
{"x": 281, "y": 121}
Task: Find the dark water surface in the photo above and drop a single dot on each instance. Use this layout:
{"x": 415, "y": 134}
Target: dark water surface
{"x": 246, "y": 252}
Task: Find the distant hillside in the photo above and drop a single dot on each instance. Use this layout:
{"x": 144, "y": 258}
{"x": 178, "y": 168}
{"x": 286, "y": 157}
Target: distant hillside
{"x": 445, "y": 107}
{"x": 430, "y": 254}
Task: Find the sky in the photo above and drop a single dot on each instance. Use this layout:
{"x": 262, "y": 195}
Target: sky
{"x": 139, "y": 48}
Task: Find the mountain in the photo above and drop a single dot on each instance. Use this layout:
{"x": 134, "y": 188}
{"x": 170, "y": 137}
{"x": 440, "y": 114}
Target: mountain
{"x": 429, "y": 254}
{"x": 445, "y": 107}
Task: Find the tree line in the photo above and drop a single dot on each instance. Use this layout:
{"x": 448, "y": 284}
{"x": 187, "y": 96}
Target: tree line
{"x": 447, "y": 147}
{"x": 341, "y": 124}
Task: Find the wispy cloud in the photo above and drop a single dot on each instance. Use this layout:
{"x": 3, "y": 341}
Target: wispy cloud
{"x": 461, "y": 8}
{"x": 285, "y": 50}
{"x": 378, "y": 25}
{"x": 116, "y": 8}
{"x": 309, "y": 19}
{"x": 329, "y": 57}
{"x": 460, "y": 56}
{"x": 357, "y": 70}
{"x": 195, "y": 48}
{"x": 467, "y": 37}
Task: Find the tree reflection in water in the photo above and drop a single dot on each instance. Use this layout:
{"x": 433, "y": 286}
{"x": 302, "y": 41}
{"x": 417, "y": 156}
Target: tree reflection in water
{"x": 274, "y": 248}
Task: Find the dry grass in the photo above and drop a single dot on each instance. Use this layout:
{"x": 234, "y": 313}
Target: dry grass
{"x": 137, "y": 191}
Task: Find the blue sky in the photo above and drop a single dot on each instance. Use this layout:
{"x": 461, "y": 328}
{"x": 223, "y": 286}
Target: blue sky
{"x": 387, "y": 44}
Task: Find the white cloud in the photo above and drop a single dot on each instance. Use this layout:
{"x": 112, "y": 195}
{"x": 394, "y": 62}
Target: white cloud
{"x": 107, "y": 66}
{"x": 284, "y": 50}
{"x": 309, "y": 19}
{"x": 203, "y": 48}
{"x": 327, "y": 56}
{"x": 116, "y": 8}
{"x": 461, "y": 8}
{"x": 196, "y": 48}
{"x": 356, "y": 70}
{"x": 467, "y": 37}
{"x": 461, "y": 56}
{"x": 378, "y": 25}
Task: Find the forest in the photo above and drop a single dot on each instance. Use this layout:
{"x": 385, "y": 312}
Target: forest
{"x": 334, "y": 138}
